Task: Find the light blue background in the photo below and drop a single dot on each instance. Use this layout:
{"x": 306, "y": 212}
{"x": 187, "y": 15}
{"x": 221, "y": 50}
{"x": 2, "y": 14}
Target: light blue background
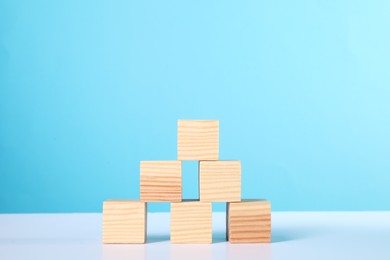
{"x": 90, "y": 88}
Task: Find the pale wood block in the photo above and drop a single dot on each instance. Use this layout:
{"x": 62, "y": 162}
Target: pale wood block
{"x": 249, "y": 221}
{"x": 124, "y": 222}
{"x": 160, "y": 181}
{"x": 219, "y": 181}
{"x": 198, "y": 140}
{"x": 191, "y": 222}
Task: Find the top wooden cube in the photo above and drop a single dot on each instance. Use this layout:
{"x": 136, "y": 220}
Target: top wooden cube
{"x": 198, "y": 140}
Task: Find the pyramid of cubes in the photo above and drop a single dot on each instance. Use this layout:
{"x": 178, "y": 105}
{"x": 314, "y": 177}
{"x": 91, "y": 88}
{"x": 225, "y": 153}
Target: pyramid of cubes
{"x": 248, "y": 220}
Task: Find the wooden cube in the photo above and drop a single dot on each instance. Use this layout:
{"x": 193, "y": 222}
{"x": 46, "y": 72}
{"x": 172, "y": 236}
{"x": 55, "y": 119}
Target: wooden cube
{"x": 249, "y": 221}
{"x": 191, "y": 222}
{"x": 161, "y": 181}
{"x": 124, "y": 222}
{"x": 219, "y": 181}
{"x": 198, "y": 140}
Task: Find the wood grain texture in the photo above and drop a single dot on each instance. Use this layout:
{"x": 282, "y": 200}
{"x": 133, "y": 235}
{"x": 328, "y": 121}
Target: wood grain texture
{"x": 160, "y": 181}
{"x": 219, "y": 181}
{"x": 249, "y": 221}
{"x": 191, "y": 222}
{"x": 124, "y": 222}
{"x": 198, "y": 140}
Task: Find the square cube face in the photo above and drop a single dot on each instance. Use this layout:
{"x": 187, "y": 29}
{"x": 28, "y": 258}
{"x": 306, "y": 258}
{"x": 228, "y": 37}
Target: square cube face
{"x": 198, "y": 140}
{"x": 161, "y": 181}
{"x": 249, "y": 221}
{"x": 191, "y": 222}
{"x": 220, "y": 181}
{"x": 124, "y": 222}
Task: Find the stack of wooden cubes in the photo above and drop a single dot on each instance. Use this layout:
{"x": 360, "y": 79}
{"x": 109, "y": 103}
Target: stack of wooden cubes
{"x": 248, "y": 221}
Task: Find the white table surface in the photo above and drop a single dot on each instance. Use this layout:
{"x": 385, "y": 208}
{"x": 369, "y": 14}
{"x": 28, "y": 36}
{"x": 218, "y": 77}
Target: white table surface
{"x": 295, "y": 235}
